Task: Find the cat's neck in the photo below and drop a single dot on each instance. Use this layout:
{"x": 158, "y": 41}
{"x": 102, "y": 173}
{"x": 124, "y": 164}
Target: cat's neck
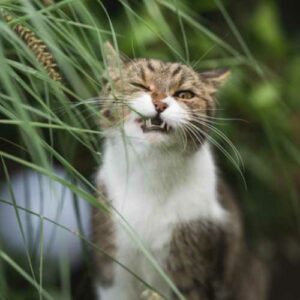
{"x": 159, "y": 167}
{"x": 184, "y": 186}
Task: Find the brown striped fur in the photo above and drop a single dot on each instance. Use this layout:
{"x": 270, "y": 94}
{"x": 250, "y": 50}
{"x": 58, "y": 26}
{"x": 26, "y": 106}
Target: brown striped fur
{"x": 206, "y": 261}
{"x": 103, "y": 237}
{"x": 211, "y": 262}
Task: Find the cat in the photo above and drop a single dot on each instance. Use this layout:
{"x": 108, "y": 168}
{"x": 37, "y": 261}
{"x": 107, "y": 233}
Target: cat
{"x": 159, "y": 174}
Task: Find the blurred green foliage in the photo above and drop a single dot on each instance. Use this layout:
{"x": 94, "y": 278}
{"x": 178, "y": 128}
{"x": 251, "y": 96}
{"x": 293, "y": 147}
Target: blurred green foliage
{"x": 253, "y": 39}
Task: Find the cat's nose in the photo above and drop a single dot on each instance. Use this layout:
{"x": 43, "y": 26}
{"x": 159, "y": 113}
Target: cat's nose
{"x": 160, "y": 106}
{"x": 157, "y": 98}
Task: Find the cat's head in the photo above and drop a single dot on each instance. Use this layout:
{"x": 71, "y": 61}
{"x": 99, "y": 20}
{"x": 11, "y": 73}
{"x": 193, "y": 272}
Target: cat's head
{"x": 158, "y": 103}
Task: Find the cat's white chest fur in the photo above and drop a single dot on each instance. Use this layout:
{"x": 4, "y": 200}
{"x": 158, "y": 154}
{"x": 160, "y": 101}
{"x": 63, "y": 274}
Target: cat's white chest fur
{"x": 154, "y": 194}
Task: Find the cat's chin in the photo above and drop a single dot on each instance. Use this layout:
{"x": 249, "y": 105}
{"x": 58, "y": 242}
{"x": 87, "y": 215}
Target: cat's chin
{"x": 156, "y": 137}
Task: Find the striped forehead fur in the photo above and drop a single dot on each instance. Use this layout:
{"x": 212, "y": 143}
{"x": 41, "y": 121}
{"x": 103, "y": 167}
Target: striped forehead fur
{"x": 152, "y": 69}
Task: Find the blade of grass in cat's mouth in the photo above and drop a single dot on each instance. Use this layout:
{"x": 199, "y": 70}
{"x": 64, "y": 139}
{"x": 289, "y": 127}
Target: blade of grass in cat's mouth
{"x": 155, "y": 124}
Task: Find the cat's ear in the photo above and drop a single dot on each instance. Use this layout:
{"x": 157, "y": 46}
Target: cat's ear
{"x": 215, "y": 78}
{"x": 113, "y": 60}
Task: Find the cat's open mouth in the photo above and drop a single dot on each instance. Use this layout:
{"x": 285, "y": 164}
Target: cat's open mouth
{"x": 155, "y": 124}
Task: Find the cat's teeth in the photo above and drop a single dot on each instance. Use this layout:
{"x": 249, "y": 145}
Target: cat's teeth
{"x": 148, "y": 124}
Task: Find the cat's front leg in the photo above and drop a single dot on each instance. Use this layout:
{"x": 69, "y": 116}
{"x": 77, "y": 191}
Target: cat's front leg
{"x": 196, "y": 260}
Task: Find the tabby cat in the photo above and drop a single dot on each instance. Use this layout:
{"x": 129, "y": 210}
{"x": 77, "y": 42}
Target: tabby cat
{"x": 159, "y": 174}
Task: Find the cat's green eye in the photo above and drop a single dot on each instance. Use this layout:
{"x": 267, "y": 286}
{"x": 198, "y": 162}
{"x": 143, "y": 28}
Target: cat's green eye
{"x": 187, "y": 94}
{"x": 140, "y": 86}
